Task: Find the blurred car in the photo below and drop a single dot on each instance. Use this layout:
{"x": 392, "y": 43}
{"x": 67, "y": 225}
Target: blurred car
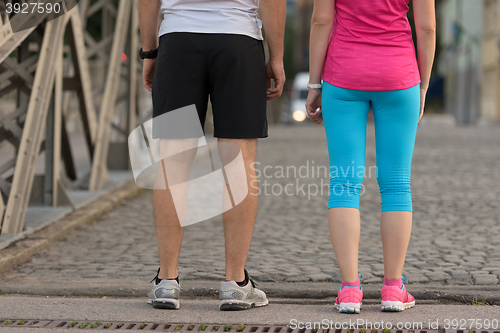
{"x": 296, "y": 112}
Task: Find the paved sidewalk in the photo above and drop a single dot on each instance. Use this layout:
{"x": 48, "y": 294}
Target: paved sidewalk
{"x": 455, "y": 239}
{"x": 206, "y": 311}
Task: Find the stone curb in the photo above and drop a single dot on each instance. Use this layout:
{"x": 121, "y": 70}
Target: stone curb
{"x": 288, "y": 292}
{"x": 23, "y": 249}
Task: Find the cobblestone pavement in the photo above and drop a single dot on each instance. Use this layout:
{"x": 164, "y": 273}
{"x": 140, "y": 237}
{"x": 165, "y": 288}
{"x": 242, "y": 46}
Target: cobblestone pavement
{"x": 455, "y": 240}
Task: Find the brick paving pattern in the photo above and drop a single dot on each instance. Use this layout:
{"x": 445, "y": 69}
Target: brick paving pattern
{"x": 455, "y": 239}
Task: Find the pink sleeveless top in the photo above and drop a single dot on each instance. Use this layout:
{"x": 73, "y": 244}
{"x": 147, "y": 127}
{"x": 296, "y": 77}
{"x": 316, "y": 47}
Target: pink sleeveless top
{"x": 371, "y": 46}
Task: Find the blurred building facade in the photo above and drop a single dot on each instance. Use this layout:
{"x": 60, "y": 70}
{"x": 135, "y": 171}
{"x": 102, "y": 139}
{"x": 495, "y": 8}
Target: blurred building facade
{"x": 469, "y": 58}
{"x": 490, "y": 88}
{"x": 303, "y": 14}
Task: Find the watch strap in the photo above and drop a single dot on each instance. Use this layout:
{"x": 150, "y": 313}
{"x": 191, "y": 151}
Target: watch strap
{"x": 314, "y": 86}
{"x": 148, "y": 54}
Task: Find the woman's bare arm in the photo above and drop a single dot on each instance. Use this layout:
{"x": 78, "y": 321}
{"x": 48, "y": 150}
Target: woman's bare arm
{"x": 321, "y": 27}
{"x": 425, "y": 25}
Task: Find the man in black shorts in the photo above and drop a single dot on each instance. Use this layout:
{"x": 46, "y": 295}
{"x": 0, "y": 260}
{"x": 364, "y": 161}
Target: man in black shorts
{"x": 211, "y": 49}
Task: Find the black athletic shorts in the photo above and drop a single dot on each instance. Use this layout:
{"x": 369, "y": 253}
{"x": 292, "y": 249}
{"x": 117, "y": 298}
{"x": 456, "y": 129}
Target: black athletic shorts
{"x": 229, "y": 68}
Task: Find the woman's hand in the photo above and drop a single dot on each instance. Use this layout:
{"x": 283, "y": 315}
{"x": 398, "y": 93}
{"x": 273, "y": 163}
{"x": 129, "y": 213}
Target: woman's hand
{"x": 423, "y": 92}
{"x": 313, "y": 106}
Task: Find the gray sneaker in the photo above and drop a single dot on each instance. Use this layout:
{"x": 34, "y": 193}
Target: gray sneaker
{"x": 233, "y": 297}
{"x": 165, "y": 295}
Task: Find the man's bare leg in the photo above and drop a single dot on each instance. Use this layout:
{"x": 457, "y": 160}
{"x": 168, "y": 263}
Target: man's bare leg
{"x": 167, "y": 223}
{"x": 239, "y": 221}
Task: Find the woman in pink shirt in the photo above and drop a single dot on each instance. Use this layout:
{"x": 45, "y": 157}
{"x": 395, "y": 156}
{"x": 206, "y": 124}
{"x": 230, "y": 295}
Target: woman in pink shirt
{"x": 364, "y": 53}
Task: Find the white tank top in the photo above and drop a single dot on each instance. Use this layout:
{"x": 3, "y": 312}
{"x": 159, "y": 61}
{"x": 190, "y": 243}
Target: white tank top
{"x": 206, "y": 16}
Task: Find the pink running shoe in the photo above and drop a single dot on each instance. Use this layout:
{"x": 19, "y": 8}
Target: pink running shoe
{"x": 349, "y": 299}
{"x": 395, "y": 299}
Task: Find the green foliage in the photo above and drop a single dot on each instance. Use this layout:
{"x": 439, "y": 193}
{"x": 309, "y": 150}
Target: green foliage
{"x": 202, "y": 327}
{"x": 96, "y": 324}
{"x": 228, "y": 327}
{"x": 84, "y": 324}
{"x": 476, "y": 301}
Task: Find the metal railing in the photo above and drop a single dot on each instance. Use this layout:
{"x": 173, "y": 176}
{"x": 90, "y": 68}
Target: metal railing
{"x": 41, "y": 69}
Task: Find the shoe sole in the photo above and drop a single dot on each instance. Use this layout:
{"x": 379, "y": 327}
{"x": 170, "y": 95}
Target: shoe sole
{"x": 166, "y": 303}
{"x": 352, "y": 308}
{"x": 397, "y": 306}
{"x": 240, "y": 305}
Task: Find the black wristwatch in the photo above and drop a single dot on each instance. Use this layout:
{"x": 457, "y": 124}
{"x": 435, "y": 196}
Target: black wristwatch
{"x": 149, "y": 54}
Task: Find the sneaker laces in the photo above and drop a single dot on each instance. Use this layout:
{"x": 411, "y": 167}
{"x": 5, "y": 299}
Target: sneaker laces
{"x": 405, "y": 280}
{"x": 254, "y": 284}
{"x": 156, "y": 275}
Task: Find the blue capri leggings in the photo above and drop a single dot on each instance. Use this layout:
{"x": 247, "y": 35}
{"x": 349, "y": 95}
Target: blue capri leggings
{"x": 396, "y": 114}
